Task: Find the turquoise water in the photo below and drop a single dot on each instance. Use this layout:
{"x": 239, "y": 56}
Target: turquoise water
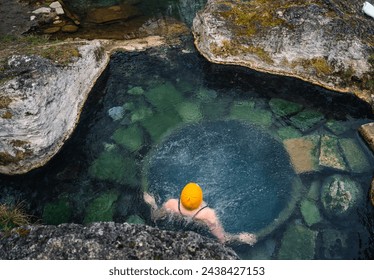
{"x": 146, "y": 101}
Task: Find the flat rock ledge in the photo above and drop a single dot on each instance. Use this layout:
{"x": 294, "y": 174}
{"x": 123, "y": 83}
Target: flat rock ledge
{"x": 328, "y": 43}
{"x": 41, "y": 105}
{"x": 109, "y": 240}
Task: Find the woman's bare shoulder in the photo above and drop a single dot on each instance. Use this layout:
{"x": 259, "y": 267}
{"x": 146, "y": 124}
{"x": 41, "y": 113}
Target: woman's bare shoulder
{"x": 171, "y": 203}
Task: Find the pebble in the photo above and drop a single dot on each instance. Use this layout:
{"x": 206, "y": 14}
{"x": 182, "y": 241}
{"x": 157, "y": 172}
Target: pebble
{"x": 52, "y": 30}
{"x": 43, "y": 10}
{"x": 70, "y": 28}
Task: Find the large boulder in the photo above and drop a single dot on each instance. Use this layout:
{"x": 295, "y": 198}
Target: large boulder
{"x": 40, "y": 107}
{"x": 109, "y": 241}
{"x": 329, "y": 43}
{"x": 340, "y": 196}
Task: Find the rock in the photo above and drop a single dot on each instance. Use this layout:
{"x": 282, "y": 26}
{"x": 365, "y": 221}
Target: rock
{"x": 45, "y": 106}
{"x": 140, "y": 114}
{"x": 112, "y": 167}
{"x": 110, "y": 14}
{"x": 135, "y": 219}
{"x": 340, "y": 196}
{"x": 15, "y": 18}
{"x": 371, "y": 195}
{"x": 43, "y": 10}
{"x": 261, "y": 251}
{"x": 101, "y": 209}
{"x": 367, "y": 132}
{"x": 336, "y": 127}
{"x": 159, "y": 124}
{"x": 108, "y": 241}
{"x": 314, "y": 191}
{"x": 55, "y": 5}
{"x": 116, "y": 113}
{"x": 130, "y": 138}
{"x": 355, "y": 157}
{"x": 206, "y": 95}
{"x": 60, "y": 11}
{"x": 309, "y": 40}
{"x": 136, "y": 91}
{"x": 69, "y": 28}
{"x": 330, "y": 155}
{"x": 306, "y": 120}
{"x": 334, "y": 244}
{"x": 303, "y": 153}
{"x": 52, "y": 30}
{"x": 282, "y": 107}
{"x": 298, "y": 243}
{"x": 57, "y": 212}
{"x": 164, "y": 97}
{"x": 310, "y": 212}
{"x": 245, "y": 111}
{"x": 189, "y": 112}
{"x": 288, "y": 132}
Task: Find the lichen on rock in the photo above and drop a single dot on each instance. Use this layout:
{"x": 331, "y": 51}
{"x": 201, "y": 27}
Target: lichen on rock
{"x": 329, "y": 43}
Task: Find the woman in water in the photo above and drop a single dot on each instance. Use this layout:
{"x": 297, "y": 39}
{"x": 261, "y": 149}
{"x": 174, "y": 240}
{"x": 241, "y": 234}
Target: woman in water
{"x": 191, "y": 205}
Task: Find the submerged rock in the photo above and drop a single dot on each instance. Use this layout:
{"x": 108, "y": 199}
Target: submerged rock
{"x": 314, "y": 191}
{"x": 330, "y": 155}
{"x": 164, "y": 97}
{"x": 57, "y": 212}
{"x": 334, "y": 244}
{"x": 303, "y": 153}
{"x": 288, "y": 132}
{"x": 112, "y": 166}
{"x": 246, "y": 111}
{"x": 355, "y": 157}
{"x": 136, "y": 91}
{"x": 130, "y": 138}
{"x": 105, "y": 241}
{"x": 336, "y": 127}
{"x": 135, "y": 219}
{"x": 328, "y": 43}
{"x": 190, "y": 112}
{"x": 306, "y": 120}
{"x": 116, "y": 113}
{"x": 101, "y": 209}
{"x": 310, "y": 212}
{"x": 160, "y": 123}
{"x": 282, "y": 107}
{"x": 298, "y": 243}
{"x": 340, "y": 196}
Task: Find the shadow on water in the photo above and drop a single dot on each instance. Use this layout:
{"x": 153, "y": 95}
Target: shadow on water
{"x": 85, "y": 179}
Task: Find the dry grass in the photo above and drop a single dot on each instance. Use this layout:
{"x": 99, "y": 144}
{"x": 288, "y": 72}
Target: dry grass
{"x": 12, "y": 217}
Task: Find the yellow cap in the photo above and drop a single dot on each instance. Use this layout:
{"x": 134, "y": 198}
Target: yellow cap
{"x": 191, "y": 196}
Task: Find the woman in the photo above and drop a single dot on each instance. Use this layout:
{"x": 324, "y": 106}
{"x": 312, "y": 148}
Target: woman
{"x": 191, "y": 205}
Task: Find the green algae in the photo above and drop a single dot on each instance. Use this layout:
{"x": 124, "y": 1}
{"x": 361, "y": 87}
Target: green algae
{"x": 298, "y": 243}
{"x": 111, "y": 166}
{"x": 57, "y": 212}
{"x": 101, "y": 209}
{"x": 130, "y": 138}
{"x": 282, "y": 107}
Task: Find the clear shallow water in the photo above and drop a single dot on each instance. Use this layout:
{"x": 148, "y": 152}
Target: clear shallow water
{"x": 99, "y": 174}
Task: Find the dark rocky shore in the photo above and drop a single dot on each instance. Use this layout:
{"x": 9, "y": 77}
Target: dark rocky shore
{"x": 110, "y": 240}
